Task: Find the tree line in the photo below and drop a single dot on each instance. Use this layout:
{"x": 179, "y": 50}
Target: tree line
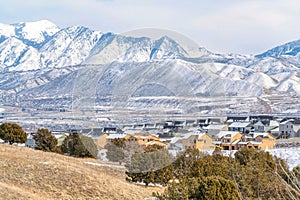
{"x": 250, "y": 174}
{"x": 74, "y": 144}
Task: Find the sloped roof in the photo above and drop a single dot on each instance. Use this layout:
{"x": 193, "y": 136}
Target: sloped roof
{"x": 263, "y": 135}
{"x": 274, "y": 123}
{"x": 236, "y": 141}
{"x": 115, "y": 136}
{"x": 175, "y": 140}
{"x": 228, "y": 134}
{"x": 215, "y": 126}
{"x": 287, "y": 121}
{"x": 187, "y": 135}
{"x": 259, "y": 123}
{"x": 239, "y": 124}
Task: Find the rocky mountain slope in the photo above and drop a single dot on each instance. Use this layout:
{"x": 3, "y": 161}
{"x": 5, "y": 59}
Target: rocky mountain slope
{"x": 38, "y": 60}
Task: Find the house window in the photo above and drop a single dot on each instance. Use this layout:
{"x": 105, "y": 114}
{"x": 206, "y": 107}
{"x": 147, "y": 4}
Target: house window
{"x": 204, "y": 141}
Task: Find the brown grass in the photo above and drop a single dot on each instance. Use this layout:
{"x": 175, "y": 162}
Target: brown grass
{"x": 32, "y": 174}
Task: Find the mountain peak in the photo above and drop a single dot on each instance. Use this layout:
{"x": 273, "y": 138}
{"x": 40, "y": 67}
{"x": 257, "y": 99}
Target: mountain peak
{"x": 287, "y": 49}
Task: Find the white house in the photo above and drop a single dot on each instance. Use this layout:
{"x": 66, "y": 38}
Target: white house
{"x": 259, "y": 127}
{"x": 286, "y": 129}
{"x": 242, "y": 127}
{"x": 30, "y": 141}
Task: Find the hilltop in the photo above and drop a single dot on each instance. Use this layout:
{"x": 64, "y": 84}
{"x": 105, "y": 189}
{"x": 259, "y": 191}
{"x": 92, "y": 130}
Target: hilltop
{"x": 32, "y": 174}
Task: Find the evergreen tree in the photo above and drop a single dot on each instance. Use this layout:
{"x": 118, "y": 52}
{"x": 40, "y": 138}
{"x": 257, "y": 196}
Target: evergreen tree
{"x": 114, "y": 153}
{"x": 252, "y": 174}
{"x": 206, "y": 188}
{"x": 12, "y": 133}
{"x": 79, "y": 146}
{"x": 150, "y": 167}
{"x": 45, "y": 141}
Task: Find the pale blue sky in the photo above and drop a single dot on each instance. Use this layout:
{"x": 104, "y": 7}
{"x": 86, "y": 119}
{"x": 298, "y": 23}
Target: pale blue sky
{"x": 225, "y": 26}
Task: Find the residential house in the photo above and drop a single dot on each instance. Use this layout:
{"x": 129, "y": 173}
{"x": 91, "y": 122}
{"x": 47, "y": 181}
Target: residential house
{"x": 214, "y": 129}
{"x": 197, "y": 140}
{"x": 227, "y": 140}
{"x": 259, "y": 127}
{"x": 111, "y": 137}
{"x": 30, "y": 141}
{"x": 142, "y": 138}
{"x": 242, "y": 127}
{"x": 60, "y": 138}
{"x": 273, "y": 128}
{"x": 286, "y": 129}
{"x": 101, "y": 141}
{"x": 236, "y": 118}
{"x": 190, "y": 123}
{"x": 175, "y": 144}
{"x": 261, "y": 141}
{"x": 297, "y": 130}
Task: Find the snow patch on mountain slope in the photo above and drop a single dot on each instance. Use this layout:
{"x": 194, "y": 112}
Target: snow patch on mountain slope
{"x": 270, "y": 65}
{"x": 289, "y": 82}
{"x": 69, "y": 46}
{"x": 262, "y": 80}
{"x": 7, "y": 30}
{"x": 36, "y": 31}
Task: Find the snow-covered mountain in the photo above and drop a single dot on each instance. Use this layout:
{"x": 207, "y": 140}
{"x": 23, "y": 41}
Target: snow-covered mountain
{"x": 41, "y": 60}
{"x": 288, "y": 49}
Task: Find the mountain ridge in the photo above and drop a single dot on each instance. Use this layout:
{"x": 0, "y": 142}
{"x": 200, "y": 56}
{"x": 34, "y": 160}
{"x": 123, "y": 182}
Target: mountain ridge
{"x": 113, "y": 60}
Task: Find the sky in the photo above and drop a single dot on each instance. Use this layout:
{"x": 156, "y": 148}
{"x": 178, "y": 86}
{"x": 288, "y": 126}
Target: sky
{"x": 221, "y": 26}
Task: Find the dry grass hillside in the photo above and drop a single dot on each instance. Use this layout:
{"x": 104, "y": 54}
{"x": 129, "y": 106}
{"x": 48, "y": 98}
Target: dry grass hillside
{"x": 32, "y": 174}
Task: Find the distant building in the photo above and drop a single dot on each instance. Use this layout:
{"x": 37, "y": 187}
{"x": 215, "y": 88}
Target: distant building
{"x": 259, "y": 127}
{"x": 175, "y": 144}
{"x": 242, "y": 127}
{"x": 227, "y": 140}
{"x": 30, "y": 141}
{"x": 261, "y": 141}
{"x": 213, "y": 129}
{"x": 286, "y": 129}
{"x": 143, "y": 139}
{"x": 230, "y": 140}
{"x": 201, "y": 141}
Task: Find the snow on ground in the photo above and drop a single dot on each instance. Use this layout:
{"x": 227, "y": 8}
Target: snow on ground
{"x": 105, "y": 165}
{"x": 290, "y": 155}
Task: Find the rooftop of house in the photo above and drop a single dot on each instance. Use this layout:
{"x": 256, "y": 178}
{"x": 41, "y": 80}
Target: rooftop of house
{"x": 259, "y": 123}
{"x": 239, "y": 124}
{"x": 115, "y": 136}
{"x": 29, "y": 137}
{"x": 175, "y": 140}
{"x": 196, "y": 133}
{"x": 215, "y": 126}
{"x": 263, "y": 135}
{"x": 286, "y": 122}
{"x": 296, "y": 127}
{"x": 226, "y": 134}
{"x": 236, "y": 141}
{"x": 273, "y": 123}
